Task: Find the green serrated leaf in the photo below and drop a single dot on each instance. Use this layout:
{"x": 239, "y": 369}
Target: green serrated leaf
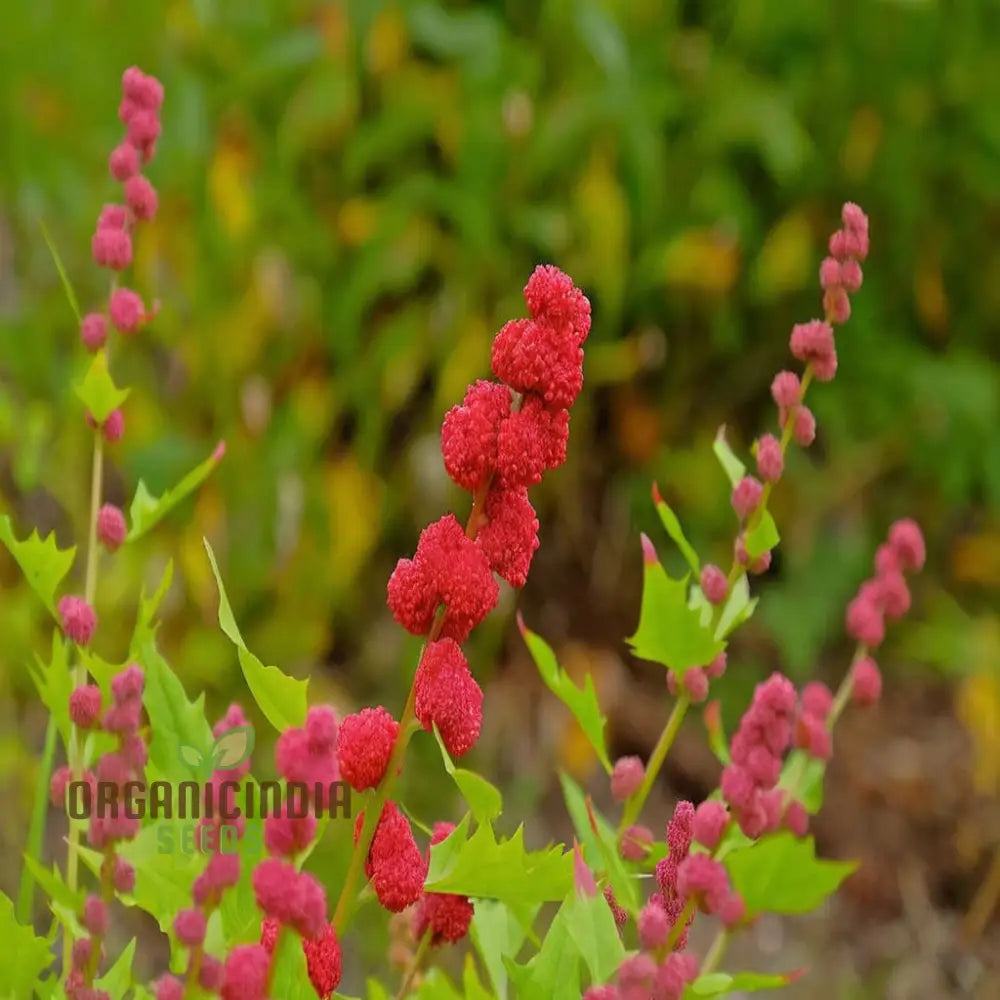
{"x": 484, "y": 799}
{"x": 117, "y": 980}
{"x": 24, "y": 956}
{"x": 599, "y": 845}
{"x": 763, "y": 536}
{"x": 98, "y": 391}
{"x": 54, "y": 682}
{"x": 497, "y": 930}
{"x": 676, "y": 532}
{"x": 591, "y": 925}
{"x": 147, "y": 510}
{"x": 735, "y": 470}
{"x": 503, "y": 870}
{"x": 281, "y": 698}
{"x": 52, "y": 883}
{"x": 174, "y": 720}
{"x": 42, "y": 562}
{"x": 781, "y": 874}
{"x": 670, "y": 631}
{"x": 582, "y": 702}
{"x": 554, "y": 972}
{"x": 165, "y": 869}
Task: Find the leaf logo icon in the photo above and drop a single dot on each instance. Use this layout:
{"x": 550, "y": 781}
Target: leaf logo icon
{"x": 232, "y": 748}
{"x": 192, "y": 756}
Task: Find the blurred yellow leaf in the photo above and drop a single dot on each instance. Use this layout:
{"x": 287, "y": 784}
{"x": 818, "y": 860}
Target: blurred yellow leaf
{"x": 928, "y": 288}
{"x": 353, "y": 502}
{"x": 467, "y": 361}
{"x": 978, "y": 702}
{"x": 356, "y": 220}
{"x": 705, "y": 260}
{"x": 387, "y": 42}
{"x": 639, "y": 427}
{"x": 786, "y": 259}
{"x": 976, "y": 559}
{"x": 863, "y": 139}
{"x": 229, "y": 186}
{"x": 603, "y": 212}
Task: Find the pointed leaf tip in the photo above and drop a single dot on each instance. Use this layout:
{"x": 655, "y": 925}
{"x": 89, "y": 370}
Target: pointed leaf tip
{"x": 220, "y": 452}
{"x": 591, "y": 816}
{"x": 649, "y": 556}
{"x": 522, "y": 628}
{"x": 657, "y": 498}
{"x": 583, "y": 877}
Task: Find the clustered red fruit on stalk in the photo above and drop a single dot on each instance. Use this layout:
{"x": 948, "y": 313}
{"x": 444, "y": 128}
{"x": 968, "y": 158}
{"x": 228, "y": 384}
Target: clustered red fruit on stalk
{"x": 110, "y": 825}
{"x": 778, "y": 718}
{"x": 111, "y": 247}
{"x": 497, "y": 443}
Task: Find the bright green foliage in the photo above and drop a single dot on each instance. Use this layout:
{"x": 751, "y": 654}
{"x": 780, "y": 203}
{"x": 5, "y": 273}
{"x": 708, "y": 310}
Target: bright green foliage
{"x": 43, "y": 563}
{"x": 54, "y": 885}
{"x": 673, "y": 526}
{"x": 763, "y": 536}
{"x": 735, "y": 470}
{"x": 498, "y": 931}
{"x": 23, "y": 957}
{"x": 483, "y": 798}
{"x": 146, "y": 510}
{"x": 118, "y": 978}
{"x": 554, "y": 971}
{"x": 582, "y": 702}
{"x": 176, "y": 721}
{"x": 483, "y": 866}
{"x": 716, "y": 984}
{"x": 781, "y": 874}
{"x": 670, "y": 631}
{"x": 98, "y": 391}
{"x": 591, "y": 927}
{"x": 291, "y": 978}
{"x": 54, "y": 682}
{"x": 600, "y": 846}
{"x": 281, "y": 698}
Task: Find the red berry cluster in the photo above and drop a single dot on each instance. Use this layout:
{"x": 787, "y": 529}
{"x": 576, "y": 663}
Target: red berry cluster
{"x": 885, "y": 596}
{"x": 499, "y": 441}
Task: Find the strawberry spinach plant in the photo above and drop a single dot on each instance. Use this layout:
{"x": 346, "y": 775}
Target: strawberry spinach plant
{"x": 609, "y": 917}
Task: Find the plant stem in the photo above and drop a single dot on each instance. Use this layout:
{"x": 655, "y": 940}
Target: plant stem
{"x": 846, "y": 686}
{"x": 80, "y": 674}
{"x": 415, "y": 964}
{"x": 407, "y": 726}
{"x": 714, "y": 954}
{"x": 679, "y": 925}
{"x": 633, "y": 807}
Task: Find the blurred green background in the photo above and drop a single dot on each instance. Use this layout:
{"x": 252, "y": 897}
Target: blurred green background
{"x": 352, "y": 196}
